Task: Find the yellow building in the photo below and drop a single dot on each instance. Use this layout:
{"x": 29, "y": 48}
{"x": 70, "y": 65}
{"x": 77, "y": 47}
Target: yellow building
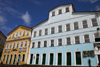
{"x": 17, "y": 46}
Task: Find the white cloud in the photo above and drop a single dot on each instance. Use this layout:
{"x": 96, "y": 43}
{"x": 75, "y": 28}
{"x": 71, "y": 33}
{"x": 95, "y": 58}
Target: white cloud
{"x": 27, "y": 19}
{"x": 97, "y": 7}
{"x": 6, "y": 28}
{"x": 37, "y": 2}
{"x": 91, "y": 1}
{"x": 2, "y": 20}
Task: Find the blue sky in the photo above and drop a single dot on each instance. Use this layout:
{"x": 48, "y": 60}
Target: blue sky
{"x": 32, "y": 12}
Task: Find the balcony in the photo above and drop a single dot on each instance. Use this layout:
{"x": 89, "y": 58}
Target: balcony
{"x": 5, "y": 50}
{"x": 20, "y": 49}
{"x": 24, "y": 49}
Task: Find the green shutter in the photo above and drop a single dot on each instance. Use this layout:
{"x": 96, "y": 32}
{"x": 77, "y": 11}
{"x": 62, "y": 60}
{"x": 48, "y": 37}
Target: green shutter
{"x": 68, "y": 58}
{"x": 37, "y": 58}
{"x": 31, "y": 58}
{"x": 59, "y": 59}
{"x": 14, "y": 59}
{"x": 18, "y": 57}
{"x": 7, "y": 59}
{"x": 23, "y": 57}
{"x": 10, "y": 59}
{"x": 78, "y": 58}
{"x": 4, "y": 57}
{"x": 44, "y": 58}
{"x": 51, "y": 59}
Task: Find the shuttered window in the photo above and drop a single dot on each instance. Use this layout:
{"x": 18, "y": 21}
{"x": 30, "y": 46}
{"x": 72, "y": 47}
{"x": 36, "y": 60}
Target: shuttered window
{"x": 67, "y": 27}
{"x": 45, "y": 43}
{"x": 59, "y": 29}
{"x": 94, "y": 22}
{"x": 86, "y": 38}
{"x": 59, "y": 42}
{"x": 77, "y": 41}
{"x": 68, "y": 41}
{"x": 84, "y": 24}
{"x": 76, "y": 26}
{"x": 52, "y": 30}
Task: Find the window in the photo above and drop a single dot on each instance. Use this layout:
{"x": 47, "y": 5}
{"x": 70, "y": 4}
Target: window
{"x": 59, "y": 42}
{"x": 0, "y": 39}
{"x": 46, "y": 31}
{"x": 16, "y": 34}
{"x": 9, "y": 36}
{"x": 59, "y": 59}
{"x": 25, "y": 44}
{"x": 20, "y": 33}
{"x": 13, "y": 45}
{"x": 78, "y": 58}
{"x": 27, "y": 33}
{"x": 45, "y": 43}
{"x": 86, "y": 38}
{"x": 52, "y": 30}
{"x": 33, "y": 45}
{"x": 7, "y": 46}
{"x": 17, "y": 45}
{"x": 67, "y": 9}
{"x": 34, "y": 33}
{"x": 84, "y": 24}
{"x": 31, "y": 59}
{"x": 77, "y": 41}
{"x": 67, "y": 27}
{"x": 75, "y": 25}
{"x": 23, "y": 32}
{"x": 53, "y": 13}
{"x": 52, "y": 42}
{"x": 13, "y": 35}
{"x": 59, "y": 29}
{"x": 10, "y": 45}
{"x": 68, "y": 40}
{"x": 37, "y": 58}
{"x": 94, "y": 22}
{"x": 96, "y": 35}
{"x": 51, "y": 59}
{"x": 40, "y": 32}
{"x": 44, "y": 59}
{"x": 39, "y": 44}
{"x": 21, "y": 44}
{"x": 60, "y": 11}
{"x": 23, "y": 57}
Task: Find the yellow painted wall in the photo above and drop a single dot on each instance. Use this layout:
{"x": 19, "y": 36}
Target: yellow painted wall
{"x": 13, "y": 40}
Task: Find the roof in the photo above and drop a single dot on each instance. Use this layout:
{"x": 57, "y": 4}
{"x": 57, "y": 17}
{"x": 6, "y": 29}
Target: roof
{"x": 63, "y": 5}
{"x": 17, "y": 27}
{"x": 85, "y": 11}
{"x": 2, "y": 33}
{"x": 39, "y": 23}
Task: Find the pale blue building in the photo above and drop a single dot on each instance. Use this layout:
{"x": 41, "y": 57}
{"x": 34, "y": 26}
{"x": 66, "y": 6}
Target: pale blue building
{"x": 66, "y": 38}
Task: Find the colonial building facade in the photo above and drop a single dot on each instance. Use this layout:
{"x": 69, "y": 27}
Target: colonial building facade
{"x": 17, "y": 46}
{"x": 66, "y": 38}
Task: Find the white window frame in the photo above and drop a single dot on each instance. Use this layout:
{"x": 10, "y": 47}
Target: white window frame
{"x": 58, "y": 29}
{"x": 45, "y": 31}
{"x": 92, "y": 23}
{"x": 24, "y": 33}
{"x": 38, "y": 44}
{"x": 46, "y": 43}
{"x": 40, "y": 33}
{"x": 82, "y": 23}
{"x": 66, "y": 40}
{"x": 84, "y": 38}
{"x": 66, "y": 27}
{"x": 61, "y": 42}
{"x": 34, "y": 34}
{"x": 50, "y": 43}
{"x": 75, "y": 41}
{"x": 51, "y": 30}
{"x": 74, "y": 26}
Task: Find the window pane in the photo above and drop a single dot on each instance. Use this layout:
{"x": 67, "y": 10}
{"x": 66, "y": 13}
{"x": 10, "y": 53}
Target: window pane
{"x": 23, "y": 57}
{"x": 77, "y": 40}
{"x": 75, "y": 25}
{"x": 68, "y": 41}
{"x": 85, "y": 24}
{"x": 53, "y": 13}
{"x": 60, "y": 11}
{"x": 67, "y": 9}
{"x": 52, "y": 30}
{"x": 40, "y": 31}
{"x": 94, "y": 22}
{"x": 67, "y": 27}
{"x": 86, "y": 38}
{"x": 33, "y": 45}
{"x": 59, "y": 42}
{"x": 59, "y": 29}
{"x": 52, "y": 42}
{"x": 46, "y": 31}
{"x": 35, "y": 34}
{"x": 96, "y": 35}
{"x": 45, "y": 43}
{"x": 38, "y": 44}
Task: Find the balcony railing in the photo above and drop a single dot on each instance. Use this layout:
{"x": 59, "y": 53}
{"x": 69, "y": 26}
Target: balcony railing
{"x": 24, "y": 49}
{"x": 20, "y": 49}
{"x": 5, "y": 50}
